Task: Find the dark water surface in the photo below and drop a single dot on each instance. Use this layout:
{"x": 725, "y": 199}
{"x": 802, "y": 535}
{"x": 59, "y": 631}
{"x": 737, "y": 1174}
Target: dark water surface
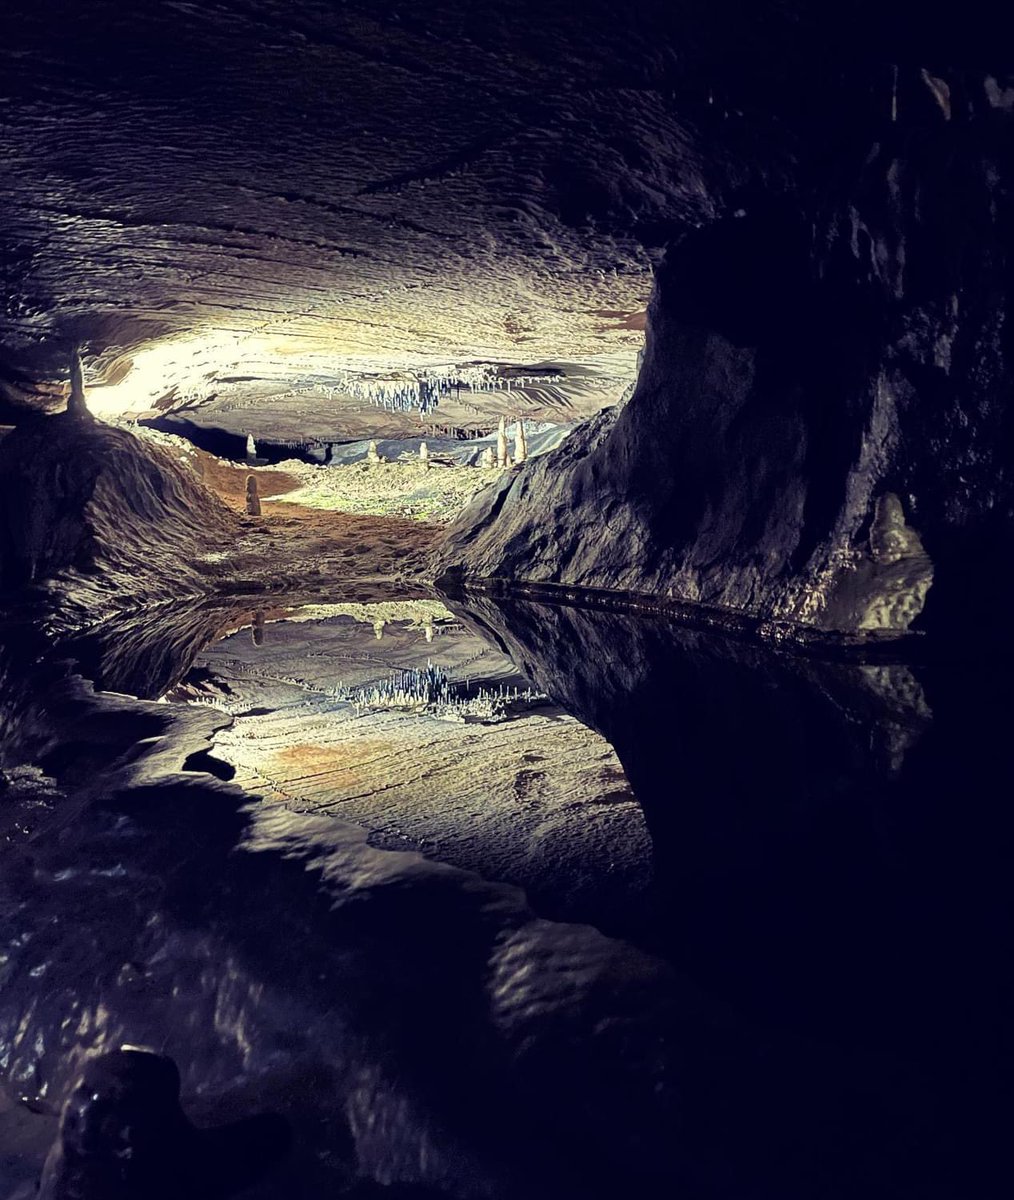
{"x": 821, "y": 1005}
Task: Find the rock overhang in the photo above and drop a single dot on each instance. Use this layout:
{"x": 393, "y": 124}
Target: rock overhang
{"x": 384, "y": 181}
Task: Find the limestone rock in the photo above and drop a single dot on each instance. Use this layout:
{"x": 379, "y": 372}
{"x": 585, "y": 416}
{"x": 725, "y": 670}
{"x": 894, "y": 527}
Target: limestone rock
{"x": 520, "y": 442}
{"x": 817, "y": 435}
{"x": 253, "y": 500}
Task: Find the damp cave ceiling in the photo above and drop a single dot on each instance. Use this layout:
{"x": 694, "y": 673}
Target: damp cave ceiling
{"x": 368, "y": 183}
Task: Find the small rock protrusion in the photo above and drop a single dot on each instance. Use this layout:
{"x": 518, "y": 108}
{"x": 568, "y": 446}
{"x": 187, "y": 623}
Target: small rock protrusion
{"x": 424, "y": 456}
{"x": 520, "y": 442}
{"x": 251, "y": 448}
{"x": 76, "y": 402}
{"x": 487, "y": 459}
{"x": 372, "y": 454}
{"x": 501, "y": 444}
{"x": 253, "y": 500}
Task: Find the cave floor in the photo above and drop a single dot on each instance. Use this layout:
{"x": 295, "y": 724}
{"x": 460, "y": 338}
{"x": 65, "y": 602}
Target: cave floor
{"x": 505, "y": 900}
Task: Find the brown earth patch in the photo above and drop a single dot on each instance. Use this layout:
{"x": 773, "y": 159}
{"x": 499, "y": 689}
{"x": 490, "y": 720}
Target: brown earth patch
{"x": 637, "y": 320}
{"x": 229, "y": 481}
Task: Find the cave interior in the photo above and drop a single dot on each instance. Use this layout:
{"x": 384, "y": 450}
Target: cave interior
{"x": 506, "y": 521}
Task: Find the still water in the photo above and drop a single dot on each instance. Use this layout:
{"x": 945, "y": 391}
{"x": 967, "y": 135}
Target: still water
{"x": 537, "y": 901}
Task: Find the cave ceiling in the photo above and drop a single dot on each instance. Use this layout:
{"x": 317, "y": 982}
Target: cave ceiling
{"x": 289, "y": 189}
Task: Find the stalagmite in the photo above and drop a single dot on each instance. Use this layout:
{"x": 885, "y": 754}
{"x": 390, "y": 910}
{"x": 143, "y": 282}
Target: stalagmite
{"x": 501, "y": 443}
{"x": 520, "y": 442}
{"x": 251, "y": 448}
{"x": 372, "y": 457}
{"x": 378, "y": 629}
{"x": 253, "y": 500}
{"x": 424, "y": 455}
{"x": 428, "y": 629}
{"x": 76, "y": 402}
{"x": 487, "y": 458}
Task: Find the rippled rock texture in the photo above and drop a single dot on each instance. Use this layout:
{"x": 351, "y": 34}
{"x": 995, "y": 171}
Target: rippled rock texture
{"x": 108, "y": 516}
{"x": 405, "y": 1017}
{"x": 821, "y": 432}
{"x": 394, "y": 180}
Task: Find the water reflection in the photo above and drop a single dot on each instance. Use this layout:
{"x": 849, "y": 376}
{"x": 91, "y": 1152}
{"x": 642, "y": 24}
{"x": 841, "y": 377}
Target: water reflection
{"x": 833, "y": 843}
{"x": 432, "y": 741}
{"x": 819, "y": 1006}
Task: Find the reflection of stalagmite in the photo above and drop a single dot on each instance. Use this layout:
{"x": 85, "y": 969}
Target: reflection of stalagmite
{"x": 424, "y": 454}
{"x": 253, "y": 500}
{"x": 487, "y": 458}
{"x": 76, "y": 403}
{"x": 501, "y": 443}
{"x": 251, "y": 448}
{"x": 258, "y": 629}
{"x": 372, "y": 456}
{"x": 378, "y": 629}
{"x": 520, "y": 442}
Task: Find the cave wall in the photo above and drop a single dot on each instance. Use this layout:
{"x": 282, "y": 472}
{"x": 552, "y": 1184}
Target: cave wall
{"x": 89, "y": 509}
{"x": 820, "y": 432}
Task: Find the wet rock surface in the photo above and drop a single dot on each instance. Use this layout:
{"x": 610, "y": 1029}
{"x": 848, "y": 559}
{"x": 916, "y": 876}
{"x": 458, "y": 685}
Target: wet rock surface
{"x": 528, "y": 796}
{"x": 124, "y": 1136}
{"x": 830, "y": 846}
{"x": 819, "y": 1014}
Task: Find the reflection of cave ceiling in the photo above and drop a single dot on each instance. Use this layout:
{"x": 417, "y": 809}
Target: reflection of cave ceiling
{"x": 372, "y": 182}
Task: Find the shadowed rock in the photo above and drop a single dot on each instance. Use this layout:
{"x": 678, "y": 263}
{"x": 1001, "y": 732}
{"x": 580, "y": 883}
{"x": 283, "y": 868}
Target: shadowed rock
{"x": 123, "y": 1136}
{"x": 818, "y": 373}
{"x": 85, "y": 497}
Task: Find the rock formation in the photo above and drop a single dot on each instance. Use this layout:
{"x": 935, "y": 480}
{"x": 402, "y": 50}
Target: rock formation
{"x": 820, "y": 434}
{"x": 424, "y": 455}
{"x": 520, "y": 442}
{"x": 501, "y": 444}
{"x": 76, "y": 404}
{"x": 372, "y": 454}
{"x": 85, "y": 502}
{"x": 123, "y": 1136}
{"x": 253, "y": 500}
